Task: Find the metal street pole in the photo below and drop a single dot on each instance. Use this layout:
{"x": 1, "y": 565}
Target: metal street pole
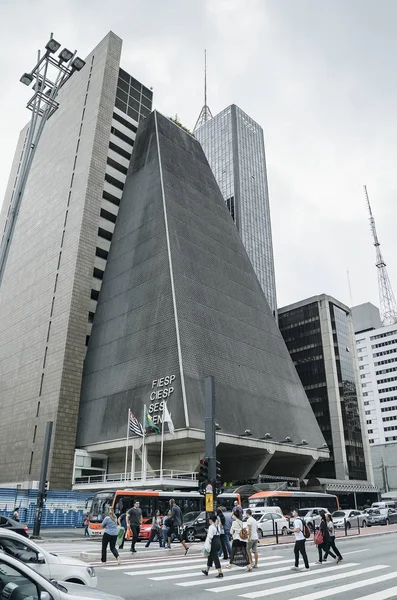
{"x": 43, "y": 478}
{"x": 210, "y": 443}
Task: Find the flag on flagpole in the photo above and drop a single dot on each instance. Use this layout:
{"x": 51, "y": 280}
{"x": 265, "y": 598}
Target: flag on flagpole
{"x": 134, "y": 425}
{"x": 167, "y": 419}
{"x": 149, "y": 424}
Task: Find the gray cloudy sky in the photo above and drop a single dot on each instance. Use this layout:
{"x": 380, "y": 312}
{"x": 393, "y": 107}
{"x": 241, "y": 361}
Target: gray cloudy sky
{"x": 318, "y": 75}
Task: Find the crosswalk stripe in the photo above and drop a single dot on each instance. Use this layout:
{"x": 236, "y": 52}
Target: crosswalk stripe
{"x": 245, "y": 574}
{"x": 356, "y": 551}
{"x": 256, "y": 582}
{"x": 291, "y": 587}
{"x": 348, "y": 587}
{"x": 154, "y": 564}
{"x": 383, "y": 595}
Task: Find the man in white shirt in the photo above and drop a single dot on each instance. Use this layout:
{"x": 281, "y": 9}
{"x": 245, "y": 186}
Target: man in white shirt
{"x": 253, "y": 538}
{"x": 300, "y": 542}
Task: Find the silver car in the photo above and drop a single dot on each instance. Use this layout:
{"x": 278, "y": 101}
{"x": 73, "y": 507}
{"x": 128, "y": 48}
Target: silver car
{"x": 349, "y": 518}
{"x": 20, "y": 581}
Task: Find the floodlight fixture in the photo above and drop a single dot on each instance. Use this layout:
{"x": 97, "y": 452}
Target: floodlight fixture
{"x": 26, "y": 78}
{"x": 287, "y": 440}
{"x": 217, "y": 427}
{"x": 267, "y": 436}
{"x": 302, "y": 443}
{"x": 52, "y": 46}
{"x": 247, "y": 433}
{"x": 78, "y": 63}
{"x": 65, "y": 55}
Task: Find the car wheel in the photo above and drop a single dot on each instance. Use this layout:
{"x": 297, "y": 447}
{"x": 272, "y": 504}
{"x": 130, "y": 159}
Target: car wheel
{"x": 190, "y": 535}
{"x": 284, "y": 531}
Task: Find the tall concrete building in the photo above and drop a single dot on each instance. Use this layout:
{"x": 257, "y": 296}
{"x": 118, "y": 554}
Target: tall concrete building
{"x": 57, "y": 258}
{"x": 180, "y": 300}
{"x": 319, "y": 334}
{"x": 234, "y": 146}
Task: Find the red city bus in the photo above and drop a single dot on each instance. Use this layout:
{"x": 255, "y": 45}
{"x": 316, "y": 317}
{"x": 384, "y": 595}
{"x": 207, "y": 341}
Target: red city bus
{"x": 150, "y": 501}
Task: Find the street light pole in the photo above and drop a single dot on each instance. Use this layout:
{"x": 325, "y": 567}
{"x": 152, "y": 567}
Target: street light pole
{"x": 49, "y": 75}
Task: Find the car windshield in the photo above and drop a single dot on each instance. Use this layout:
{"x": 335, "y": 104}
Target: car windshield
{"x": 375, "y": 512}
{"x": 338, "y": 513}
{"x": 191, "y": 516}
{"x": 257, "y": 517}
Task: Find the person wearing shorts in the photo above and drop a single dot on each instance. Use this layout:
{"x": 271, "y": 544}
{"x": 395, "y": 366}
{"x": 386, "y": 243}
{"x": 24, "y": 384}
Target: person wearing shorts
{"x": 253, "y": 539}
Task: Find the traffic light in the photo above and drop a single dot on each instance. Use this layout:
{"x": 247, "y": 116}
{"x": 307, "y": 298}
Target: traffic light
{"x": 46, "y": 487}
{"x": 202, "y": 475}
{"x": 218, "y": 478}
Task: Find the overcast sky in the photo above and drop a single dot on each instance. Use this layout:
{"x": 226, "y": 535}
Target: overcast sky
{"x": 318, "y": 75}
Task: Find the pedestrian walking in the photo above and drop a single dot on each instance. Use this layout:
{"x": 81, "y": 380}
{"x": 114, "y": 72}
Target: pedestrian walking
{"x": 86, "y": 524}
{"x": 221, "y": 524}
{"x": 300, "y": 542}
{"x": 331, "y": 529}
{"x": 109, "y": 537}
{"x": 175, "y": 525}
{"x": 122, "y": 523}
{"x": 237, "y": 507}
{"x": 253, "y": 539}
{"x": 156, "y": 530}
{"x": 325, "y": 543}
{"x": 212, "y": 545}
{"x": 239, "y": 555}
{"x": 227, "y": 527}
{"x": 134, "y": 522}
{"x": 15, "y": 515}
{"x": 166, "y": 525}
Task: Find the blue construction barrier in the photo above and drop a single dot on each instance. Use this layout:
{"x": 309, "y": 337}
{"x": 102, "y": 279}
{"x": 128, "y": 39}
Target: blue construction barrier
{"x": 62, "y": 508}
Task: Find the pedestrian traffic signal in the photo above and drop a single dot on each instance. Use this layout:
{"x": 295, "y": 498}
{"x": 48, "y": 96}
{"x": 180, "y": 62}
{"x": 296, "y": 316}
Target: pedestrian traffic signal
{"x": 218, "y": 477}
{"x": 202, "y": 475}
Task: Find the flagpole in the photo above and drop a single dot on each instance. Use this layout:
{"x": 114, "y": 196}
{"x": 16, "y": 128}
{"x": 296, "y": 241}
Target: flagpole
{"x": 162, "y": 443}
{"x": 126, "y": 447}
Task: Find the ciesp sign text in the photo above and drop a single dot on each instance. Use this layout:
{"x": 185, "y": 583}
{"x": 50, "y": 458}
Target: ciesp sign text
{"x": 162, "y": 389}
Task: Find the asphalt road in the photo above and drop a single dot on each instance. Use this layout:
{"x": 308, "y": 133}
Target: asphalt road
{"x": 368, "y": 572}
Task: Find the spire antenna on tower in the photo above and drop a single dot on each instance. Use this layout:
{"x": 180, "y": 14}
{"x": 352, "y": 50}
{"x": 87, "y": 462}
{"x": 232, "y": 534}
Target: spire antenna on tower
{"x": 205, "y": 113}
{"x": 387, "y": 300}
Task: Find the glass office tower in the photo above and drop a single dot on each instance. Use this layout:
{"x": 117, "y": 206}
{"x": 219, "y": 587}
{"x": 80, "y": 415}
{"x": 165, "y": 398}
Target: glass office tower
{"x": 234, "y": 147}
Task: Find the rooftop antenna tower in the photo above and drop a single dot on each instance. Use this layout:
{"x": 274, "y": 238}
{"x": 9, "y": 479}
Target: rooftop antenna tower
{"x": 387, "y": 301}
{"x": 205, "y": 113}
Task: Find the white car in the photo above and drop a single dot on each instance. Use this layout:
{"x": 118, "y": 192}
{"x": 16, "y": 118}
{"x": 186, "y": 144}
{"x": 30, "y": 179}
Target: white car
{"x": 17, "y": 580}
{"x": 52, "y": 566}
{"x": 267, "y": 524}
{"x": 311, "y": 516}
{"x": 351, "y": 517}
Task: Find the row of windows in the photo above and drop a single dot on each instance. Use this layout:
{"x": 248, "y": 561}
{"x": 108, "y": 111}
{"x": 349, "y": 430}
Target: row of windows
{"x": 391, "y": 428}
{"x": 387, "y": 380}
{"x": 392, "y": 438}
{"x": 389, "y": 389}
{"x": 116, "y": 165}
{"x": 392, "y": 351}
{"x": 394, "y": 418}
{"x": 389, "y": 343}
{"x": 385, "y": 362}
{"x": 389, "y": 370}
{"x": 369, "y": 422}
{"x": 371, "y": 441}
{"x": 387, "y": 408}
{"x": 370, "y": 430}
{"x": 122, "y": 136}
{"x": 134, "y": 83}
{"x": 388, "y": 399}
{"x": 124, "y": 122}
{"x": 113, "y": 181}
{"x": 120, "y": 151}
{"x": 383, "y": 335}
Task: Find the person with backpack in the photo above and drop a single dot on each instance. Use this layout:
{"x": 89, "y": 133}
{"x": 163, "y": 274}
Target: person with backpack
{"x": 239, "y": 555}
{"x": 212, "y": 545}
{"x": 156, "y": 530}
{"x": 221, "y": 522}
{"x": 322, "y": 539}
{"x": 175, "y": 525}
{"x": 302, "y": 533}
{"x": 331, "y": 529}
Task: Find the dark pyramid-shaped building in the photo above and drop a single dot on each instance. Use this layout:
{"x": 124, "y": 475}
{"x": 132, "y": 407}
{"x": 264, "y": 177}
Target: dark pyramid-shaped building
{"x": 181, "y": 301}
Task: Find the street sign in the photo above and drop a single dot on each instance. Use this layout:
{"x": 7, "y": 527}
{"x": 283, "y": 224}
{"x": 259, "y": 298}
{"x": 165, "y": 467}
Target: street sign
{"x": 209, "y": 489}
{"x": 209, "y": 502}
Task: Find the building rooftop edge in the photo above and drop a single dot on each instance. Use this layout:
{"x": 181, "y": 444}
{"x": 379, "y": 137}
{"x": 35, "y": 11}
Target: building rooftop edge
{"x": 311, "y": 300}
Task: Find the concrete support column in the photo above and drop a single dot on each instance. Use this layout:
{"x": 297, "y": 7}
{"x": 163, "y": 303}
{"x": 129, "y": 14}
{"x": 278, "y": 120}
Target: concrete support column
{"x": 259, "y": 466}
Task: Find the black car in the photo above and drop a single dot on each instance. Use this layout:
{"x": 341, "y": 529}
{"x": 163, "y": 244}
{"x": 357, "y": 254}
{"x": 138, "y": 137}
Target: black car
{"x": 12, "y": 525}
{"x": 194, "y": 526}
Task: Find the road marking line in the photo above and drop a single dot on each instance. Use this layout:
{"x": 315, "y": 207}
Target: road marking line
{"x": 245, "y": 574}
{"x": 349, "y": 587}
{"x": 355, "y": 551}
{"x": 319, "y": 569}
{"x": 384, "y": 595}
{"x": 134, "y": 565}
{"x": 333, "y": 578}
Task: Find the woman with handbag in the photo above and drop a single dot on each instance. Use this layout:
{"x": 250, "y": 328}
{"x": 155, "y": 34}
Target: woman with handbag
{"x": 322, "y": 539}
{"x": 212, "y": 545}
{"x": 239, "y": 555}
{"x": 156, "y": 530}
{"x": 331, "y": 529}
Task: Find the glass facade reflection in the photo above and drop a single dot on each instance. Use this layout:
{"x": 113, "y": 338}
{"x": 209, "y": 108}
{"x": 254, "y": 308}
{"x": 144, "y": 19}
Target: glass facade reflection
{"x": 234, "y": 147}
{"x": 306, "y": 332}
